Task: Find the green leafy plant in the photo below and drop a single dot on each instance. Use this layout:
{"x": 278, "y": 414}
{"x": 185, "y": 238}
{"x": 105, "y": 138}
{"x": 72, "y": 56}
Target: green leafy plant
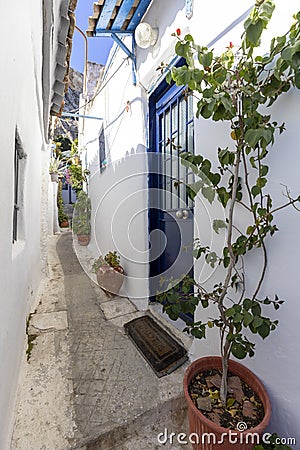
{"x": 237, "y": 88}
{"x": 30, "y": 337}
{"x": 68, "y": 159}
{"x": 63, "y": 143}
{"x": 82, "y": 215}
{"x": 54, "y": 165}
{"x": 60, "y": 204}
{"x": 98, "y": 263}
{"x": 111, "y": 258}
{"x": 77, "y": 176}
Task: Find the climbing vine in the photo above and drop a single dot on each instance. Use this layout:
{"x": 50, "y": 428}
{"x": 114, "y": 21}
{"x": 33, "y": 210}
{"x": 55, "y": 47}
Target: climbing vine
{"x": 238, "y": 87}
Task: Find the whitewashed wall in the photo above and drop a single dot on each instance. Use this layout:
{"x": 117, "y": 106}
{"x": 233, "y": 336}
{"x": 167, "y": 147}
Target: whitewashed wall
{"x": 119, "y": 193}
{"x": 276, "y": 362}
{"x": 21, "y": 32}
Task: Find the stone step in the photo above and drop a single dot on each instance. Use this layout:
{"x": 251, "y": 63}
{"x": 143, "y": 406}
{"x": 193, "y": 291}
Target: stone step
{"x": 158, "y": 428}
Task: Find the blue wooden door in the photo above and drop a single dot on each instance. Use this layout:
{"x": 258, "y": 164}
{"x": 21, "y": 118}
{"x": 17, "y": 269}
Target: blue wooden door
{"x": 171, "y": 211}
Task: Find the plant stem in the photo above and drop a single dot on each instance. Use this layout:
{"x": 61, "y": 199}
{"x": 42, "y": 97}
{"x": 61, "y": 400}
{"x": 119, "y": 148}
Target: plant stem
{"x": 262, "y": 276}
{"x": 225, "y": 360}
{"x": 225, "y": 350}
{"x": 247, "y": 180}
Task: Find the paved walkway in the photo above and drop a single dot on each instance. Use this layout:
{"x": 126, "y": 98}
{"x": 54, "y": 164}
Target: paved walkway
{"x": 68, "y": 210}
{"x": 86, "y": 386}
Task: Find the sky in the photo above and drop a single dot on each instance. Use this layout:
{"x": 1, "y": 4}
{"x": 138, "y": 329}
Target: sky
{"x": 98, "y": 48}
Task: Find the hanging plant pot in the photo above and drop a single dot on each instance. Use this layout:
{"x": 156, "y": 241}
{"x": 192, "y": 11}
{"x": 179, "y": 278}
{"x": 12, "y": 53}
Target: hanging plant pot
{"x": 83, "y": 239}
{"x": 110, "y": 278}
{"x": 221, "y": 437}
{"x": 54, "y": 177}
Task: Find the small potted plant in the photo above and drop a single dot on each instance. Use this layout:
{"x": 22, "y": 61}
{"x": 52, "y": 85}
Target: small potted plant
{"x": 64, "y": 223}
{"x": 83, "y": 232}
{"x": 54, "y": 168}
{"x": 222, "y": 394}
{"x": 82, "y": 219}
{"x": 109, "y": 272}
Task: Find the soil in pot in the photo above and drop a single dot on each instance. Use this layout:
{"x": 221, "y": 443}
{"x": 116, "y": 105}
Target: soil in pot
{"x": 211, "y": 422}
{"x": 243, "y": 404}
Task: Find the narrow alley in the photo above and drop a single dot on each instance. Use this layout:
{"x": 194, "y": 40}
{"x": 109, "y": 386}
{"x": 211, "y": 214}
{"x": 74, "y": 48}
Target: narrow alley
{"x": 150, "y": 204}
{"x": 86, "y": 386}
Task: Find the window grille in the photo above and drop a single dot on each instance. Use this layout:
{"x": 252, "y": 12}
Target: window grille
{"x": 102, "y": 151}
{"x": 18, "y": 156}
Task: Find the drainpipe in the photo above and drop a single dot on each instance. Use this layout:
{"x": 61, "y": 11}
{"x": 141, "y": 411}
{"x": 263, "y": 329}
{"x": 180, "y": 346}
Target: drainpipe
{"x": 84, "y": 96}
{"x": 85, "y": 60}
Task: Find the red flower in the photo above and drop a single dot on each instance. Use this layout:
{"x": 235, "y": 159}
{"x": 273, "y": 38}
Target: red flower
{"x": 231, "y": 45}
{"x": 178, "y": 31}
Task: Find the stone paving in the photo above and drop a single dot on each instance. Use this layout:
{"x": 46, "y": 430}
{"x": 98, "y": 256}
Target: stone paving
{"x": 68, "y": 210}
{"x": 86, "y": 385}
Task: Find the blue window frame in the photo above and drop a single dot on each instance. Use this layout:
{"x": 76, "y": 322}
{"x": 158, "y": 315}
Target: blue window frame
{"x": 174, "y": 134}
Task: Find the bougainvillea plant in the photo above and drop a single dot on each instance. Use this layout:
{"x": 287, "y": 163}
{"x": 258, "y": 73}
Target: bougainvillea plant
{"x": 238, "y": 87}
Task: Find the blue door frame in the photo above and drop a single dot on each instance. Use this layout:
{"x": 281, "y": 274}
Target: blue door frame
{"x": 162, "y": 212}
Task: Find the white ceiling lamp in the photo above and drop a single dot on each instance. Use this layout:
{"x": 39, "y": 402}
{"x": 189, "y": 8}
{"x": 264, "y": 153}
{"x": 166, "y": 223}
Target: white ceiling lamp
{"x": 145, "y": 36}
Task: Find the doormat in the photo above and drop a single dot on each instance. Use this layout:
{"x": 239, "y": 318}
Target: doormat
{"x": 160, "y": 350}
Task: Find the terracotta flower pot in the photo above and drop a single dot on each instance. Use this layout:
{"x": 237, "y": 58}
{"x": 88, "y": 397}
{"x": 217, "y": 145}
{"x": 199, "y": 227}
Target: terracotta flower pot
{"x": 110, "y": 279}
{"x": 223, "y": 438}
{"x": 83, "y": 239}
{"x": 64, "y": 224}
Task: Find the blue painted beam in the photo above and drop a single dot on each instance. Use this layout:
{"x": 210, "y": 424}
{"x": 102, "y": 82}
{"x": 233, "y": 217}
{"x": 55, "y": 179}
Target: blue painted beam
{"x": 106, "y": 13}
{"x": 67, "y": 114}
{"x": 101, "y": 32}
{"x": 122, "y": 14}
{"x": 129, "y": 53}
{"x": 123, "y": 46}
{"x": 138, "y": 15}
{"x": 133, "y": 62}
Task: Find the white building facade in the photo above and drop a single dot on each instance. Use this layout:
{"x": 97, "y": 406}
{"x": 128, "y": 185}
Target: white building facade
{"x": 33, "y": 49}
{"x": 123, "y": 184}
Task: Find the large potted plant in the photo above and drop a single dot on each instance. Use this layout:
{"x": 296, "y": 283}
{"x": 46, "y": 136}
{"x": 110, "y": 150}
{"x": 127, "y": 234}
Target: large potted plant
{"x": 109, "y": 272}
{"x": 82, "y": 218}
{"x": 238, "y": 88}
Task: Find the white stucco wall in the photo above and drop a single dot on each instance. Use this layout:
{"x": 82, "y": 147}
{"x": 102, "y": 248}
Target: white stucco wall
{"x": 22, "y": 263}
{"x": 276, "y": 358}
{"x": 276, "y": 362}
{"x": 119, "y": 193}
